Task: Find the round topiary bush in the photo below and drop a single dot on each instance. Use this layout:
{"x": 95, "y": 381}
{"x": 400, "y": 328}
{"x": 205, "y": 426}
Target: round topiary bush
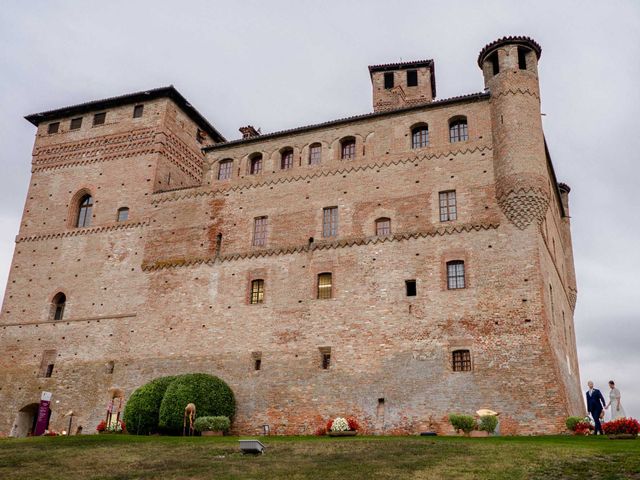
{"x": 141, "y": 413}
{"x": 211, "y": 396}
{"x": 488, "y": 423}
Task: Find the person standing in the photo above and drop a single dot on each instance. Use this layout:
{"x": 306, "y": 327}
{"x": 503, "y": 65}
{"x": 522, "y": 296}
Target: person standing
{"x": 595, "y": 405}
{"x": 614, "y": 402}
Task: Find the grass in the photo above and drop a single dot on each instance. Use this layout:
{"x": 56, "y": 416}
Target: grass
{"x": 123, "y": 457}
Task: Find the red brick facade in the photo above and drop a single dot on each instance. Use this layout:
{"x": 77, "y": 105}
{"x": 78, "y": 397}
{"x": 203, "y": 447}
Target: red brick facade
{"x": 169, "y": 289}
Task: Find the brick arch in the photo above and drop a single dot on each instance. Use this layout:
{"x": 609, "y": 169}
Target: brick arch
{"x": 74, "y": 204}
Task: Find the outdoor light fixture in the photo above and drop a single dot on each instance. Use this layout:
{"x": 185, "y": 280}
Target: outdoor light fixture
{"x": 265, "y": 429}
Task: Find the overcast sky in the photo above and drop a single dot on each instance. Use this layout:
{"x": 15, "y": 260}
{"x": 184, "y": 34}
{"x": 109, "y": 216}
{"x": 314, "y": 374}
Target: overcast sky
{"x": 278, "y": 65}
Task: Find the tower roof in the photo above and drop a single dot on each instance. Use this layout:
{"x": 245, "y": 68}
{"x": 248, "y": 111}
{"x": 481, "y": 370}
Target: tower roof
{"x": 520, "y": 40}
{"x": 130, "y": 98}
{"x": 386, "y": 67}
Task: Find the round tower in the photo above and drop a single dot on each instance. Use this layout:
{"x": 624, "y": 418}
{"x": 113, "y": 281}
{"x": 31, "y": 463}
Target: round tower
{"x": 510, "y": 69}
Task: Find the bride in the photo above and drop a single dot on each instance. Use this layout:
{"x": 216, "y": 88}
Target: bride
{"x": 614, "y": 402}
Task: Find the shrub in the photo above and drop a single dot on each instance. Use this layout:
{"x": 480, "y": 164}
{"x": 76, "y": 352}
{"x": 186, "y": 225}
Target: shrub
{"x": 141, "y": 412}
{"x": 353, "y": 424}
{"x": 583, "y": 428}
{"x": 211, "y": 396}
{"x": 571, "y": 422}
{"x": 466, "y": 423}
{"x": 488, "y": 423}
{"x": 212, "y": 424}
{"x": 622, "y": 425}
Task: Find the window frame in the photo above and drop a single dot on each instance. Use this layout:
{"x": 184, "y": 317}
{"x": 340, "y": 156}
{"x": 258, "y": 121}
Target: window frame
{"x": 348, "y": 148}
{"x": 75, "y": 123}
{"x": 410, "y": 74}
{"x": 138, "y": 111}
{"x": 256, "y": 164}
{"x": 99, "y": 118}
{"x": 458, "y": 129}
{"x": 53, "y": 127}
{"x": 122, "y": 210}
{"x": 84, "y": 212}
{"x": 383, "y": 230}
{"x": 260, "y": 231}
{"x": 420, "y": 136}
{"x": 388, "y": 80}
{"x": 225, "y": 166}
{"x": 448, "y": 212}
{"x": 58, "y": 304}
{"x": 330, "y": 221}
{"x": 456, "y": 277}
{"x": 408, "y": 290}
{"x": 315, "y": 147}
{"x": 256, "y": 291}
{"x": 286, "y": 158}
{"x": 461, "y": 360}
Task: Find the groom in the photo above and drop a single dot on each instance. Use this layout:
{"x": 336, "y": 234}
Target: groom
{"x": 595, "y": 405}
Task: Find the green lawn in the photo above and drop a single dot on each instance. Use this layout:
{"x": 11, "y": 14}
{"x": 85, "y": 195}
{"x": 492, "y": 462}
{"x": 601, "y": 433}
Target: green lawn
{"x": 128, "y": 457}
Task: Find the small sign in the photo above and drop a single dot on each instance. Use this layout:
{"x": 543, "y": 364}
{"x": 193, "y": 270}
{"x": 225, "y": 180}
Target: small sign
{"x": 43, "y": 413}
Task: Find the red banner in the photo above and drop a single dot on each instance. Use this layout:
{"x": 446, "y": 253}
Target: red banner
{"x": 43, "y": 414}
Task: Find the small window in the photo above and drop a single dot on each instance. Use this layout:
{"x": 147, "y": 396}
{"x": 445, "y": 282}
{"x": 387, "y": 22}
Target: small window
{"x": 137, "y": 111}
{"x": 257, "y": 291}
{"x": 383, "y": 227}
{"x": 329, "y": 222}
{"x": 47, "y": 364}
{"x": 410, "y": 286}
{"x": 49, "y": 371}
{"x": 123, "y": 214}
{"x": 522, "y": 58}
{"x": 225, "y": 169}
{"x": 448, "y": 208}
{"x": 326, "y": 360}
{"x": 458, "y": 130}
{"x": 286, "y": 159}
{"x": 255, "y": 164}
{"x": 412, "y": 78}
{"x": 455, "y": 275}
{"x": 201, "y": 136}
{"x": 461, "y": 361}
{"x": 315, "y": 154}
{"x": 58, "y": 303}
{"x": 84, "y": 212}
{"x": 53, "y": 127}
{"x": 257, "y": 364}
{"x": 495, "y": 64}
{"x": 348, "y": 149}
{"x": 388, "y": 80}
{"x": 420, "y": 136}
{"x": 99, "y": 118}
{"x": 76, "y": 123}
{"x": 260, "y": 231}
{"x": 325, "y": 286}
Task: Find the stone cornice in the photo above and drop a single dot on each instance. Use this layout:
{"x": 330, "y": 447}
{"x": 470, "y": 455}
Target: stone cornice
{"x": 347, "y": 242}
{"x": 81, "y": 231}
{"x": 191, "y": 192}
{"x": 71, "y": 320}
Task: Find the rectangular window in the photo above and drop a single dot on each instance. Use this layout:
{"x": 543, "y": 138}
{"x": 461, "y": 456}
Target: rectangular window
{"x": 461, "y": 361}
{"x": 137, "y": 111}
{"x": 448, "y": 209}
{"x": 388, "y": 80}
{"x": 410, "y": 286}
{"x": 76, "y": 123}
{"x": 257, "y": 291}
{"x": 383, "y": 227}
{"x": 348, "y": 151}
{"x": 47, "y": 363}
{"x": 330, "y": 222}
{"x": 257, "y": 364}
{"x": 455, "y": 275}
{"x": 412, "y": 78}
{"x": 226, "y": 169}
{"x": 123, "y": 214}
{"x": 53, "y": 127}
{"x": 287, "y": 159}
{"x": 522, "y": 58}
{"x": 324, "y": 286}
{"x": 99, "y": 118}
{"x": 326, "y": 361}
{"x": 315, "y": 152}
{"x": 260, "y": 231}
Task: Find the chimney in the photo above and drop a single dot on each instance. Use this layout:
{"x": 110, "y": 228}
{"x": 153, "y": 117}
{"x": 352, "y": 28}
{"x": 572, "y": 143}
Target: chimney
{"x": 249, "y": 131}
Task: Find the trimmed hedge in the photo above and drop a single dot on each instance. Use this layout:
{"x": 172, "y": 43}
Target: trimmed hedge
{"x": 211, "y": 395}
{"x": 466, "y": 423}
{"x": 141, "y": 413}
{"x": 212, "y": 424}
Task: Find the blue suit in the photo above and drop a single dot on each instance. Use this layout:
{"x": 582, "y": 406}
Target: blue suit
{"x": 595, "y": 405}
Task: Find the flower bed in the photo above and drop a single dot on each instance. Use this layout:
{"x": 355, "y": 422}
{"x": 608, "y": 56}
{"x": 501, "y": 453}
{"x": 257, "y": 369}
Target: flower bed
{"x": 622, "y": 428}
{"x": 118, "y": 427}
{"x": 341, "y": 427}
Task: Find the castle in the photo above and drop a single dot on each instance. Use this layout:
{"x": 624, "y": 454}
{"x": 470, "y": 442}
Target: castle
{"x": 397, "y": 266}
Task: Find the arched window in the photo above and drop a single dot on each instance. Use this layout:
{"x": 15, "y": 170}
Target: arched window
{"x": 315, "y": 154}
{"x": 455, "y": 275}
{"x": 458, "y": 130}
{"x": 420, "y": 136}
{"x": 225, "y": 168}
{"x": 325, "y": 287}
{"x": 383, "y": 227}
{"x": 461, "y": 361}
{"x": 255, "y": 164}
{"x": 57, "y": 306}
{"x": 348, "y": 148}
{"x": 522, "y": 57}
{"x": 123, "y": 214}
{"x": 286, "y": 158}
{"x": 257, "y": 291}
{"x": 84, "y": 211}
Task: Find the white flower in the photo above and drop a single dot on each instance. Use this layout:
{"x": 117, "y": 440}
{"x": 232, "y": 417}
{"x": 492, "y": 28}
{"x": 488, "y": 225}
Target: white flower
{"x": 339, "y": 425}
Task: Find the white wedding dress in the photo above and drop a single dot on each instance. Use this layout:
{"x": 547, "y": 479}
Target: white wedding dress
{"x": 614, "y": 412}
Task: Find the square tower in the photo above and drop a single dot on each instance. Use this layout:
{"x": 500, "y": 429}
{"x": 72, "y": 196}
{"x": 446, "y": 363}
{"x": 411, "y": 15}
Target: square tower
{"x": 397, "y": 85}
